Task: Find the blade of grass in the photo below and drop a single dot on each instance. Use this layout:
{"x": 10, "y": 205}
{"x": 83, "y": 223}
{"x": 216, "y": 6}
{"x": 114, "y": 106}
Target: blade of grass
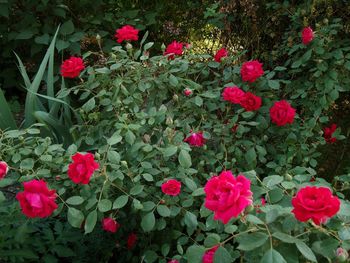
{"x": 7, "y": 120}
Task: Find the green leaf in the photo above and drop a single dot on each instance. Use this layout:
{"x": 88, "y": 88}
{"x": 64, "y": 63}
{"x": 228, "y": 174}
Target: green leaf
{"x": 173, "y": 80}
{"x": 113, "y": 157}
{"x": 7, "y": 120}
{"x": 163, "y": 211}
{"x": 190, "y": 220}
{"x": 250, "y": 156}
{"x": 120, "y": 202}
{"x": 130, "y": 137}
{"x": 169, "y": 151}
{"x": 90, "y": 222}
{"x": 254, "y": 219}
{"x": 284, "y": 237}
{"x": 249, "y": 242}
{"x": 104, "y": 205}
{"x": 194, "y": 254}
{"x": 211, "y": 240}
{"x": 148, "y": 221}
{"x": 306, "y": 251}
{"x": 272, "y": 256}
{"x": 75, "y": 217}
{"x": 67, "y": 28}
{"x": 115, "y": 138}
{"x": 185, "y": 159}
{"x": 273, "y": 84}
{"x": 272, "y": 180}
{"x": 222, "y": 256}
{"x": 137, "y": 189}
{"x": 89, "y": 105}
{"x": 27, "y": 164}
{"x": 75, "y": 200}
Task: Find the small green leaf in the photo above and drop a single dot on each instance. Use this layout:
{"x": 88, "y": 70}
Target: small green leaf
{"x": 252, "y": 241}
{"x": 90, "y": 222}
{"x": 194, "y": 254}
{"x": 104, "y": 205}
{"x": 75, "y": 200}
{"x": 120, "y": 202}
{"x": 67, "y": 28}
{"x": 306, "y": 251}
{"x": 185, "y": 159}
{"x": 169, "y": 151}
{"x": 115, "y": 138}
{"x": 130, "y": 137}
{"x": 148, "y": 221}
{"x": 222, "y": 256}
{"x": 137, "y": 189}
{"x": 272, "y": 256}
{"x": 163, "y": 211}
{"x": 75, "y": 217}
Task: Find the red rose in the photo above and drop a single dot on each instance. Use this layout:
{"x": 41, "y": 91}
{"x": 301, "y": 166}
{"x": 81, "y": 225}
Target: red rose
{"x": 4, "y": 168}
{"x": 251, "y": 71}
{"x": 315, "y": 203}
{"x": 37, "y": 200}
{"x": 132, "y": 238}
{"x": 128, "y": 33}
{"x": 174, "y": 48}
{"x": 282, "y": 113}
{"x": 208, "y": 256}
{"x": 220, "y": 54}
{"x": 227, "y": 196}
{"x": 234, "y": 128}
{"x": 195, "y": 139}
{"x": 307, "y": 35}
{"x": 233, "y": 94}
{"x": 82, "y": 168}
{"x": 171, "y": 187}
{"x": 250, "y": 102}
{"x": 187, "y": 92}
{"x": 110, "y": 225}
{"x": 72, "y": 67}
{"x": 328, "y": 133}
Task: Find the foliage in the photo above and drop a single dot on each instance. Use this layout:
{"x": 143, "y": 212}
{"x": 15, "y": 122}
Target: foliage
{"x": 135, "y": 118}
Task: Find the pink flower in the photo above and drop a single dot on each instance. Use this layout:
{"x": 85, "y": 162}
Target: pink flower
{"x": 174, "y": 48}
{"x": 37, "y": 200}
{"x": 263, "y": 201}
{"x": 128, "y": 33}
{"x": 282, "y": 113}
{"x": 251, "y": 71}
{"x": 110, "y": 225}
{"x": 195, "y": 139}
{"x": 250, "y": 102}
{"x": 315, "y": 203}
{"x": 4, "y": 168}
{"x": 72, "y": 67}
{"x": 307, "y": 35}
{"x": 187, "y": 92}
{"x": 233, "y": 94}
{"x": 208, "y": 256}
{"x": 132, "y": 238}
{"x": 171, "y": 187}
{"x": 82, "y": 168}
{"x": 173, "y": 261}
{"x": 328, "y": 133}
{"x": 227, "y": 196}
{"x": 220, "y": 54}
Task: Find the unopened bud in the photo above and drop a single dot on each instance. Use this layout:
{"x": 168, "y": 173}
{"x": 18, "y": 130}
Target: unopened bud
{"x": 249, "y": 209}
{"x": 124, "y": 163}
{"x": 342, "y": 254}
{"x": 175, "y": 97}
{"x": 169, "y": 121}
{"x": 288, "y": 177}
{"x": 128, "y": 46}
{"x": 97, "y": 155}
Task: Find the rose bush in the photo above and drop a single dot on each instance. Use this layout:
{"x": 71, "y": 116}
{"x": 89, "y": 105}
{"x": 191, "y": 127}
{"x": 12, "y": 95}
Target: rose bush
{"x": 157, "y": 161}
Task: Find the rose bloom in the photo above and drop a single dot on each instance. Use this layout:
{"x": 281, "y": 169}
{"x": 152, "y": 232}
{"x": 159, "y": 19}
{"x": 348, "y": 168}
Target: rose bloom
{"x": 328, "y": 133}
{"x": 195, "y": 139}
{"x": 132, "y": 238}
{"x": 251, "y": 71}
{"x": 171, "y": 187}
{"x": 174, "y": 48}
{"x": 307, "y": 35}
{"x": 128, "y": 33}
{"x": 233, "y": 94}
{"x": 37, "y": 200}
{"x": 282, "y": 113}
{"x": 187, "y": 92}
{"x": 227, "y": 196}
{"x": 173, "y": 261}
{"x": 110, "y": 225}
{"x": 72, "y": 67}
{"x": 208, "y": 256}
{"x": 250, "y": 102}
{"x": 220, "y": 54}
{"x": 82, "y": 167}
{"x": 315, "y": 203}
{"x": 4, "y": 168}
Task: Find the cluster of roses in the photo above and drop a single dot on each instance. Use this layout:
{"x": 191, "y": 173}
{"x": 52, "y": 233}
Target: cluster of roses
{"x": 226, "y": 195}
